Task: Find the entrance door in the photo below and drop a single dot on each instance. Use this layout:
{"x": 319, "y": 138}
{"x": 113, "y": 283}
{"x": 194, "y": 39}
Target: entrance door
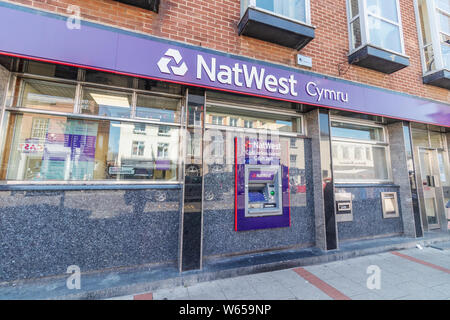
{"x": 430, "y": 182}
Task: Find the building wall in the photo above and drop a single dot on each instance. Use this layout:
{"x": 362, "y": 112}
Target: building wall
{"x": 368, "y": 218}
{"x": 213, "y": 24}
{"x": 44, "y": 232}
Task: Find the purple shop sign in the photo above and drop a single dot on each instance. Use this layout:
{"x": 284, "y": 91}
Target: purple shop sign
{"x": 260, "y": 151}
{"x": 34, "y": 34}
{"x": 162, "y": 164}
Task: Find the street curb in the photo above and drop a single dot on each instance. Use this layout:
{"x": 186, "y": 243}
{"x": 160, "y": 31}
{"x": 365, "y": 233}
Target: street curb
{"x": 193, "y": 277}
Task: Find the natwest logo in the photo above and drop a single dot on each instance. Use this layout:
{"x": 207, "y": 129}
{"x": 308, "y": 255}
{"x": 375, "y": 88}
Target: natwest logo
{"x": 241, "y": 75}
{"x": 172, "y": 54}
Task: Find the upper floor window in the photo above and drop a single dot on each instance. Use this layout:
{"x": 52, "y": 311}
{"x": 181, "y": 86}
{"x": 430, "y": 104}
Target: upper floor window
{"x": 375, "y": 22}
{"x": 434, "y": 34}
{"x": 293, "y": 9}
{"x": 218, "y": 120}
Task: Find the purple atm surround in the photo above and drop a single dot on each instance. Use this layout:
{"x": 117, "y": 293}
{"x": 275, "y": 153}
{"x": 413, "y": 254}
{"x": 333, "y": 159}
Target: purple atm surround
{"x": 243, "y": 158}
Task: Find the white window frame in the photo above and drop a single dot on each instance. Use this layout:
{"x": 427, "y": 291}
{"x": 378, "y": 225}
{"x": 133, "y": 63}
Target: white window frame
{"x": 252, "y": 3}
{"x": 384, "y": 144}
{"x": 363, "y": 16}
{"x": 435, "y": 30}
{"x": 138, "y": 149}
{"x": 164, "y": 147}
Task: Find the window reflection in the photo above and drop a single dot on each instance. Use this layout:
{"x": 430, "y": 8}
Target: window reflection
{"x": 56, "y": 148}
{"x": 359, "y": 152}
{"x": 294, "y": 9}
{"x": 157, "y": 108}
{"x": 216, "y": 115}
{"x": 106, "y": 103}
{"x": 45, "y": 95}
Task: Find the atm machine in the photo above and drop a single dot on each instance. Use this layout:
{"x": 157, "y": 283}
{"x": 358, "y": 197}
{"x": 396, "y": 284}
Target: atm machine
{"x": 262, "y": 197}
{"x": 262, "y": 190}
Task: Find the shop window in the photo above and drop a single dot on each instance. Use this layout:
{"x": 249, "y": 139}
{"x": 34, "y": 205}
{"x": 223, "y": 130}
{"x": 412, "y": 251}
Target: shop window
{"x": 375, "y": 34}
{"x": 58, "y": 148}
{"x": 434, "y": 39}
{"x": 44, "y": 137}
{"x": 44, "y": 95}
{"x": 106, "y": 103}
{"x": 265, "y": 124}
{"x": 360, "y": 153}
{"x": 243, "y": 119}
{"x": 158, "y": 86}
{"x": 109, "y": 79}
{"x": 49, "y": 69}
{"x": 158, "y": 108}
{"x": 285, "y": 22}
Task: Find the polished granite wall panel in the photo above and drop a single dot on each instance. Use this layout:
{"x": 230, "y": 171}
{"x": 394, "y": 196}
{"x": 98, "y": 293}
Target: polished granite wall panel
{"x": 44, "y": 232}
{"x": 313, "y": 128}
{"x": 220, "y": 238}
{"x": 368, "y": 218}
{"x": 400, "y": 175}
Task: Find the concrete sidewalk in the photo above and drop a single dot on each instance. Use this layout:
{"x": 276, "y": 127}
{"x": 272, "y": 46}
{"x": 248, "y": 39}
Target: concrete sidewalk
{"x": 306, "y": 273}
{"x": 411, "y": 274}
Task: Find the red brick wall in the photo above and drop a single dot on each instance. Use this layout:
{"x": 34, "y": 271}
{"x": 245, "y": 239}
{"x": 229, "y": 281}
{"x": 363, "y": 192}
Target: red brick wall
{"x": 213, "y": 24}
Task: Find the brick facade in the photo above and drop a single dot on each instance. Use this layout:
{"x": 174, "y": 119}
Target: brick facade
{"x": 213, "y": 24}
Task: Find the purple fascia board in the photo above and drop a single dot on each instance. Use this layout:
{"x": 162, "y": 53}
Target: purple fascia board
{"x": 43, "y": 36}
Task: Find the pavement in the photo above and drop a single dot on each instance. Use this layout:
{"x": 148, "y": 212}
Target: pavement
{"x": 412, "y": 274}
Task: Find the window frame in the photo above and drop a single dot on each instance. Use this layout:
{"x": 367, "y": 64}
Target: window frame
{"x": 16, "y": 108}
{"x": 435, "y": 30}
{"x": 384, "y": 144}
{"x": 228, "y": 108}
{"x": 363, "y": 15}
{"x": 138, "y": 149}
{"x": 252, "y": 4}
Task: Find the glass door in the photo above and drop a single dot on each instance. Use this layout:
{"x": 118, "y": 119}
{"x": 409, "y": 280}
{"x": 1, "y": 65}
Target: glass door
{"x": 430, "y": 182}
{"x": 444, "y": 171}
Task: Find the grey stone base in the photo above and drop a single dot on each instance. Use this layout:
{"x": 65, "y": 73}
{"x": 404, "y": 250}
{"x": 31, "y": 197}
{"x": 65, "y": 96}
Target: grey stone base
{"x": 118, "y": 283}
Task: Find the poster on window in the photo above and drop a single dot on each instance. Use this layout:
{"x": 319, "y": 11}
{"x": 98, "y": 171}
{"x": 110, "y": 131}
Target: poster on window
{"x": 69, "y": 152}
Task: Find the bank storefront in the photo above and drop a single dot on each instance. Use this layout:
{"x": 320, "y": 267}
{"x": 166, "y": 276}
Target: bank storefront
{"x": 120, "y": 150}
